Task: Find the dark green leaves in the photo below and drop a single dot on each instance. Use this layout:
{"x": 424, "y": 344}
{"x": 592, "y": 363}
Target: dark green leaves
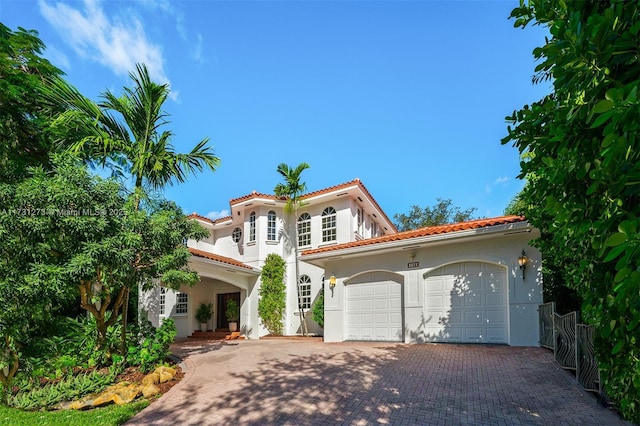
{"x": 583, "y": 171}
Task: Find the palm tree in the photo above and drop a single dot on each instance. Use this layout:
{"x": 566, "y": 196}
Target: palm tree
{"x": 293, "y": 189}
{"x": 135, "y": 142}
{"x": 124, "y": 133}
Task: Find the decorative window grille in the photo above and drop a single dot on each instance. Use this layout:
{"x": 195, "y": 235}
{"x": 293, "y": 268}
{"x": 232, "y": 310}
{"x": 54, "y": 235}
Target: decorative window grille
{"x": 236, "y": 235}
{"x": 304, "y": 230}
{"x": 328, "y": 224}
{"x": 182, "y": 303}
{"x": 163, "y": 300}
{"x": 305, "y": 292}
{"x": 271, "y": 226}
{"x": 252, "y": 226}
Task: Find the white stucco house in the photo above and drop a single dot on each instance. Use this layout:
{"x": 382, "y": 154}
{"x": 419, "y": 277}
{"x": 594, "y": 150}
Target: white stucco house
{"x": 451, "y": 283}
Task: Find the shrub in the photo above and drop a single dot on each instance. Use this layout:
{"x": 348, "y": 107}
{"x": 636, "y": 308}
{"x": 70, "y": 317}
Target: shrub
{"x": 204, "y": 312}
{"x": 152, "y": 344}
{"x": 317, "y": 312}
{"x": 233, "y": 311}
{"x": 272, "y": 303}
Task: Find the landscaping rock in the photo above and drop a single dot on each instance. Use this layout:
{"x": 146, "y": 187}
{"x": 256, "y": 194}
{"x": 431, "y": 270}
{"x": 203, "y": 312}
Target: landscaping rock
{"x": 121, "y": 393}
{"x": 150, "y": 390}
{"x": 166, "y": 374}
{"x": 151, "y": 379}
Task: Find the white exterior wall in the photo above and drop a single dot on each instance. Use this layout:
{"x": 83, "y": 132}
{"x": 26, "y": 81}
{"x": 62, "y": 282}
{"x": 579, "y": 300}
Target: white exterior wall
{"x": 523, "y": 296}
{"x": 344, "y": 221}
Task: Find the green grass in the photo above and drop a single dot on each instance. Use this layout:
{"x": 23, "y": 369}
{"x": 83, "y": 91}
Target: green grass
{"x": 111, "y": 415}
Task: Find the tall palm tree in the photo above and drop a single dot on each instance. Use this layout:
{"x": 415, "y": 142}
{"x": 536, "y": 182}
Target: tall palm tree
{"x": 125, "y": 133}
{"x": 134, "y": 142}
{"x": 293, "y": 189}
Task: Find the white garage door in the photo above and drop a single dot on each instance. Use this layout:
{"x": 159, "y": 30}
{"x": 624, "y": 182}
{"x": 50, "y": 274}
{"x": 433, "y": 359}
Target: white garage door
{"x": 374, "y": 308}
{"x": 466, "y": 302}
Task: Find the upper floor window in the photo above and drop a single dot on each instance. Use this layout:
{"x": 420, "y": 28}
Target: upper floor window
{"x": 271, "y": 225}
{"x": 236, "y": 235}
{"x": 305, "y": 292}
{"x": 360, "y": 220}
{"x": 304, "y": 230}
{"x": 374, "y": 229}
{"x": 252, "y": 226}
{"x": 182, "y": 303}
{"x": 328, "y": 224}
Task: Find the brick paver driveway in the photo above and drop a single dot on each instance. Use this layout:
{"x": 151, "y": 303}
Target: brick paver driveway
{"x": 295, "y": 382}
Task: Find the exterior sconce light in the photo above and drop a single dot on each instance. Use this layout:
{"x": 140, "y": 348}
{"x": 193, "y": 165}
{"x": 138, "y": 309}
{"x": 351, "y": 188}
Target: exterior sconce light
{"x": 523, "y": 261}
{"x": 332, "y": 283}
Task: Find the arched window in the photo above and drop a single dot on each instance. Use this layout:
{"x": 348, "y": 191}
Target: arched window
{"x": 305, "y": 292}
{"x": 304, "y": 230}
{"x": 252, "y": 226}
{"x": 271, "y": 226}
{"x": 236, "y": 235}
{"x": 328, "y": 224}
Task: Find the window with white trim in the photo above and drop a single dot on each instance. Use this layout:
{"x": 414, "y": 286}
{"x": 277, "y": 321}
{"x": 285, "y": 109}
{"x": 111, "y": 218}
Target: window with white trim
{"x": 237, "y": 235}
{"x": 328, "y": 224}
{"x": 252, "y": 226}
{"x": 271, "y": 225}
{"x": 304, "y": 230}
{"x": 182, "y": 303}
{"x": 305, "y": 292}
{"x": 374, "y": 229}
{"x": 163, "y": 300}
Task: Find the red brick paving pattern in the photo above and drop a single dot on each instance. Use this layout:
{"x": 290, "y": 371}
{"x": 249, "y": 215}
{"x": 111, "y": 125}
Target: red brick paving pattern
{"x": 294, "y": 382}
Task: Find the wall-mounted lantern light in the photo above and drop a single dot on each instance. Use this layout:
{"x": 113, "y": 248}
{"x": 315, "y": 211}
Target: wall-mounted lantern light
{"x": 332, "y": 283}
{"x": 523, "y": 261}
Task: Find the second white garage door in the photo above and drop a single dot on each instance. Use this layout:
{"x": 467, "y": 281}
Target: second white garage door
{"x": 466, "y": 302}
{"x": 374, "y": 308}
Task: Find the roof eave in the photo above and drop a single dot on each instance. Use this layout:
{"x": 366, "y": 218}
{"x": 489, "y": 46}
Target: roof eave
{"x": 250, "y": 271}
{"x": 420, "y": 242}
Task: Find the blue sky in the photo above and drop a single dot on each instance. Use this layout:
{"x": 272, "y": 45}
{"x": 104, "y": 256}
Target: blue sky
{"x": 408, "y": 96}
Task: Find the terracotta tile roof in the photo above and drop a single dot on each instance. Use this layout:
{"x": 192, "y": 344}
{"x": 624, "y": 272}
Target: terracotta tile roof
{"x": 345, "y": 185}
{"x": 218, "y": 258}
{"x": 422, "y": 232}
{"x": 364, "y": 189}
{"x": 254, "y": 194}
{"x": 195, "y": 215}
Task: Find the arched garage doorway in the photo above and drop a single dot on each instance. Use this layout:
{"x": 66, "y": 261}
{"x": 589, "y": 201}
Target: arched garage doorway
{"x": 466, "y": 302}
{"x": 374, "y": 307}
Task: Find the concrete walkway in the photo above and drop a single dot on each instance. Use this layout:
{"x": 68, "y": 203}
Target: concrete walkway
{"x": 296, "y": 382}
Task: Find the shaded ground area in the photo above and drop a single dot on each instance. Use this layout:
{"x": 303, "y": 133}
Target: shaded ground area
{"x": 295, "y": 382}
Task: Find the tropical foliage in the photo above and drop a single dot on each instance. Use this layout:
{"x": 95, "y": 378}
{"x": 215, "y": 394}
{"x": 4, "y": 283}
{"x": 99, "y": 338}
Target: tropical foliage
{"x": 317, "y": 311}
{"x": 582, "y": 164}
{"x": 73, "y": 244}
{"x": 135, "y": 143}
{"x": 440, "y": 214}
{"x": 24, "y": 136}
{"x": 272, "y": 302}
{"x": 125, "y": 134}
{"x": 293, "y": 189}
{"x": 66, "y": 234}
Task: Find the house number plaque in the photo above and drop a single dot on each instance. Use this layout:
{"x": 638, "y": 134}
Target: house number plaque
{"x": 413, "y": 264}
